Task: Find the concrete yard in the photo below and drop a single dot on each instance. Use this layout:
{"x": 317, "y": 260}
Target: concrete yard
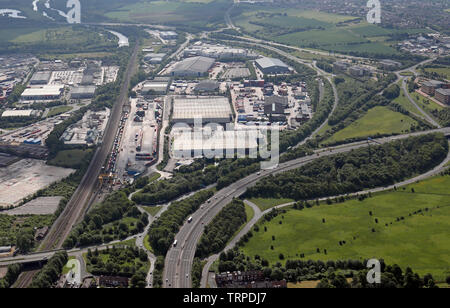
{"x": 133, "y": 132}
{"x": 26, "y": 177}
{"x": 39, "y": 206}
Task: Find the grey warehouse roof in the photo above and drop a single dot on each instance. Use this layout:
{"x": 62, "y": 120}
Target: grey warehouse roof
{"x": 41, "y": 76}
{"x": 83, "y": 90}
{"x": 195, "y": 64}
{"x": 270, "y": 62}
{"x": 206, "y": 108}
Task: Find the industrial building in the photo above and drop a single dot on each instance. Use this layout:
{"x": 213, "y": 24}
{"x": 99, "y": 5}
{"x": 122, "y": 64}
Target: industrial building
{"x": 207, "y": 87}
{"x": 340, "y": 66}
{"x": 275, "y": 107}
{"x": 43, "y": 93}
{"x": 272, "y": 66}
{"x": 188, "y": 144}
{"x": 359, "y": 71}
{"x": 443, "y": 95}
{"x": 218, "y": 52}
{"x": 168, "y": 35}
{"x": 154, "y": 58}
{"x": 84, "y": 92}
{"x": 40, "y": 78}
{"x": 390, "y": 64}
{"x": 209, "y": 109}
{"x": 155, "y": 87}
{"x": 193, "y": 67}
{"x": 19, "y": 113}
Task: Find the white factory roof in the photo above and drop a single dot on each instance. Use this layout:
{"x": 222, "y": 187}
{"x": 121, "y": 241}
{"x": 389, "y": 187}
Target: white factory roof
{"x": 206, "y": 108}
{"x": 195, "y": 64}
{"x": 220, "y": 140}
{"x": 270, "y": 62}
{"x": 18, "y": 113}
{"x": 44, "y": 90}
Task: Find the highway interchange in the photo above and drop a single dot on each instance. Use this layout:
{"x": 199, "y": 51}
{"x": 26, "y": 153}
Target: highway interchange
{"x": 179, "y": 259}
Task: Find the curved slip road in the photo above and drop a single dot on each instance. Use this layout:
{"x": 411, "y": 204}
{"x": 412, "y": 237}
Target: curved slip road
{"x": 178, "y": 263}
{"x": 259, "y": 214}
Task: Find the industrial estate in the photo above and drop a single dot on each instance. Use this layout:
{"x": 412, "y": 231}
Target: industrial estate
{"x": 134, "y": 150}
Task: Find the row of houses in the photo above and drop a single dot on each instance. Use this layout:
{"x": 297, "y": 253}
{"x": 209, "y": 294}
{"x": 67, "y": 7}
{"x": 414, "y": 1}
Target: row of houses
{"x": 247, "y": 280}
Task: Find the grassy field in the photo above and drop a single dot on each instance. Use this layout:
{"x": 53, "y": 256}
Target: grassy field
{"x": 444, "y": 71}
{"x": 421, "y": 241}
{"x": 265, "y": 204}
{"x": 47, "y": 39}
{"x": 58, "y": 110}
{"x": 152, "y": 210}
{"x": 403, "y": 101}
{"x": 378, "y": 120}
{"x": 70, "y": 158}
{"x": 66, "y": 269}
{"x": 318, "y": 30}
{"x": 189, "y": 13}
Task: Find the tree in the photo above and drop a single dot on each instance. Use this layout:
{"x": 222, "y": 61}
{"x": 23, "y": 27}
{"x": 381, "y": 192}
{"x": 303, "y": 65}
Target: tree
{"x": 25, "y": 240}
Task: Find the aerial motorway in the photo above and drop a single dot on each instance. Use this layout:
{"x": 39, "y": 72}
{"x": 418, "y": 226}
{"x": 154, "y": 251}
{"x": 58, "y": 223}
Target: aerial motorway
{"x": 179, "y": 259}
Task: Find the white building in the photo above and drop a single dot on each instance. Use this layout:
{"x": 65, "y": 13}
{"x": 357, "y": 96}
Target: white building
{"x": 208, "y": 109}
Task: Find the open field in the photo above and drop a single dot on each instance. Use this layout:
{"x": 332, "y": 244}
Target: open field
{"x": 59, "y": 110}
{"x": 378, "y": 120}
{"x": 192, "y": 14}
{"x": 421, "y": 241}
{"x": 70, "y": 158}
{"x": 318, "y": 30}
{"x": 265, "y": 204}
{"x": 444, "y": 71}
{"x": 47, "y": 39}
{"x": 403, "y": 101}
{"x": 152, "y": 210}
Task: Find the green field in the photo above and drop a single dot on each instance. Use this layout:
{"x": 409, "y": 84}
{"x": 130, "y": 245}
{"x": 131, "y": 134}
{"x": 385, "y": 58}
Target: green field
{"x": 265, "y": 204}
{"x": 202, "y": 13}
{"x": 66, "y": 269}
{"x": 378, "y": 120}
{"x": 46, "y": 39}
{"x": 420, "y": 241}
{"x": 70, "y": 158}
{"x": 403, "y": 101}
{"x": 443, "y": 71}
{"x": 58, "y": 110}
{"x": 317, "y": 30}
{"x": 426, "y": 104}
{"x": 152, "y": 210}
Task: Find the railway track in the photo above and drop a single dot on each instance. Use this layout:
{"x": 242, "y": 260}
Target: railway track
{"x": 75, "y": 208}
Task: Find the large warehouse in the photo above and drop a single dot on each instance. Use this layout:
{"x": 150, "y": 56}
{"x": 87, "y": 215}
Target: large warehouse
{"x": 84, "y": 92}
{"x": 210, "y": 109}
{"x": 43, "y": 93}
{"x": 40, "y": 78}
{"x": 272, "y": 66}
{"x": 221, "y": 143}
{"x": 19, "y": 113}
{"x": 193, "y": 67}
